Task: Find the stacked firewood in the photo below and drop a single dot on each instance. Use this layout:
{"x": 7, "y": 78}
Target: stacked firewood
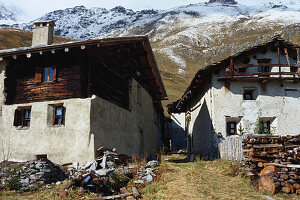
{"x": 274, "y": 161}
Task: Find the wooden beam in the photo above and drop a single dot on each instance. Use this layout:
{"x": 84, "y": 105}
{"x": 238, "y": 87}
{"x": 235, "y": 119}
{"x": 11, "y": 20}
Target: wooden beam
{"x": 298, "y": 56}
{"x": 287, "y": 56}
{"x": 231, "y": 67}
{"x": 278, "y": 54}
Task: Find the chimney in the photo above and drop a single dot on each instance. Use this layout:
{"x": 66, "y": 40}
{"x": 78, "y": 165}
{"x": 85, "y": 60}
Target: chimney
{"x": 43, "y": 33}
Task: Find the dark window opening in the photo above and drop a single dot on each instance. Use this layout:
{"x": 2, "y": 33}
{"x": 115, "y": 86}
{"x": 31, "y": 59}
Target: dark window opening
{"x": 59, "y": 115}
{"x": 231, "y": 128}
{"x": 248, "y": 95}
{"x": 263, "y": 69}
{"x": 41, "y": 156}
{"x": 242, "y": 70}
{"x": 22, "y": 117}
{"x": 264, "y": 127}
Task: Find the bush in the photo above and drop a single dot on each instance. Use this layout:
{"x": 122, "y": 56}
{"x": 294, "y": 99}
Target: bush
{"x": 14, "y": 183}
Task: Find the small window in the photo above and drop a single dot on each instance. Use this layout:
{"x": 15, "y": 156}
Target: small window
{"x": 264, "y": 127}
{"x": 22, "y": 117}
{"x": 231, "y": 128}
{"x": 263, "y": 69}
{"x": 248, "y": 94}
{"x": 48, "y": 74}
{"x": 59, "y": 115}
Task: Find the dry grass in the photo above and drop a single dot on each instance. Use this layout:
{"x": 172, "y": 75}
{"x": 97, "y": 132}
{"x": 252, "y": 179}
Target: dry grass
{"x": 14, "y": 38}
{"x": 202, "y": 180}
{"x": 176, "y": 179}
{"x": 45, "y": 194}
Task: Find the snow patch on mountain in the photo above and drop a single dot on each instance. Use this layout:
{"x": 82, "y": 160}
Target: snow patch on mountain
{"x": 7, "y": 16}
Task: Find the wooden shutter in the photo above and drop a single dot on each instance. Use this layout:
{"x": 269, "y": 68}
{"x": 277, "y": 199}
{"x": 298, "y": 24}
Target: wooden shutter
{"x": 54, "y": 74}
{"x": 18, "y": 118}
{"x": 38, "y": 74}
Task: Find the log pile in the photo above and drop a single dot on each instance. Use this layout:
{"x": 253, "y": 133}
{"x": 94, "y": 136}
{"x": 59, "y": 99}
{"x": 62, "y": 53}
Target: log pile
{"x": 274, "y": 161}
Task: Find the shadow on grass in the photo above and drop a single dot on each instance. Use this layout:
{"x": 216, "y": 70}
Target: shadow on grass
{"x": 184, "y": 160}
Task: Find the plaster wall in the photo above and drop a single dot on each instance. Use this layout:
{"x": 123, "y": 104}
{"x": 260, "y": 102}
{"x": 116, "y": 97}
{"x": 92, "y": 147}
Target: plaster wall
{"x": 131, "y": 132}
{"x": 177, "y": 131}
{"x": 204, "y": 140}
{"x": 69, "y": 143}
{"x": 278, "y": 102}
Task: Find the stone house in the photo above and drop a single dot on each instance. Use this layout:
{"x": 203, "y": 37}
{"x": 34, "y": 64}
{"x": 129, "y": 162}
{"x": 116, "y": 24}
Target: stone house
{"x": 254, "y": 91}
{"x": 65, "y": 100}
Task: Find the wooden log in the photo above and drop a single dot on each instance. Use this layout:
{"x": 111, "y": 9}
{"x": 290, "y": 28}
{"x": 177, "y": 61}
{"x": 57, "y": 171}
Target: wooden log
{"x": 266, "y": 183}
{"x": 296, "y": 186}
{"x": 270, "y": 170}
{"x": 298, "y": 191}
{"x": 286, "y": 190}
{"x": 291, "y": 188}
{"x": 260, "y": 164}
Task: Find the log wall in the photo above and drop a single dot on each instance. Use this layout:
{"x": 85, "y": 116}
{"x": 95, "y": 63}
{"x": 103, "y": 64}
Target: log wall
{"x": 23, "y": 88}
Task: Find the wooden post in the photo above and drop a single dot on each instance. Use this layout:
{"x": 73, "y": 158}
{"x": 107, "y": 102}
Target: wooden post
{"x": 287, "y": 56}
{"x": 231, "y": 67}
{"x": 278, "y": 52}
{"x": 298, "y": 56}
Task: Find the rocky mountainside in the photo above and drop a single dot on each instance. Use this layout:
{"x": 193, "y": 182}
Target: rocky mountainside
{"x": 185, "y": 38}
{"x": 6, "y": 16}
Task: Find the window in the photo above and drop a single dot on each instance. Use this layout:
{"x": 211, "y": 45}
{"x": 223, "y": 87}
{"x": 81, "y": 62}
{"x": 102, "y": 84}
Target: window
{"x": 248, "y": 94}
{"x": 48, "y": 74}
{"x": 22, "y": 117}
{"x": 59, "y": 115}
{"x": 263, "y": 69}
{"x": 45, "y": 74}
{"x": 231, "y": 128}
{"x": 264, "y": 127}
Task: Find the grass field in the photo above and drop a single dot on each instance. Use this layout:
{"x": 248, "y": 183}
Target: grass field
{"x": 178, "y": 180}
{"x": 203, "y": 180}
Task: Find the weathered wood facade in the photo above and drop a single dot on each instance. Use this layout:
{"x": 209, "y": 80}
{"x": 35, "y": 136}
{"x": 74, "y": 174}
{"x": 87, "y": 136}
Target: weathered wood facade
{"x": 78, "y": 96}
{"x": 100, "y": 69}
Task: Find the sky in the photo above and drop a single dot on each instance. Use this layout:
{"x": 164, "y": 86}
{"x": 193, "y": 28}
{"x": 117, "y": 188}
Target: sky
{"x": 29, "y": 10}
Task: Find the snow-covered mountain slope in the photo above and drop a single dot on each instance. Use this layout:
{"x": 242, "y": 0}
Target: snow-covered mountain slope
{"x": 7, "y": 16}
{"x": 184, "y": 38}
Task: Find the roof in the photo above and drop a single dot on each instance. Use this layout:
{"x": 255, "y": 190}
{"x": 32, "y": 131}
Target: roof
{"x": 91, "y": 42}
{"x": 202, "y": 74}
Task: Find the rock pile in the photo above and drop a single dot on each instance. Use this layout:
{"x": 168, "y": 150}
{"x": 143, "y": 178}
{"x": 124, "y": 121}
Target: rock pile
{"x": 109, "y": 173}
{"x": 32, "y": 174}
